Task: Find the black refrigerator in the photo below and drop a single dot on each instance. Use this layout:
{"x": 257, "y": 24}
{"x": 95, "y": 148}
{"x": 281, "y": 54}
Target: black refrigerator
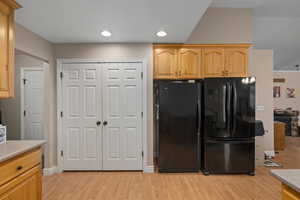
{"x": 229, "y": 126}
{"x": 178, "y": 125}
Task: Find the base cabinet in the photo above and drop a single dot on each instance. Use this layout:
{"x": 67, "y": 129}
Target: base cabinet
{"x": 289, "y": 194}
{"x": 27, "y": 189}
{"x": 26, "y": 185}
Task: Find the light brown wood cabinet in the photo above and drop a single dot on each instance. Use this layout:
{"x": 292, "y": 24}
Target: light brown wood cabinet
{"x": 279, "y": 136}
{"x": 225, "y": 62}
{"x": 7, "y": 9}
{"x": 236, "y": 62}
{"x": 21, "y": 177}
{"x": 196, "y": 61}
{"x": 177, "y": 63}
{"x": 213, "y": 62}
{"x": 189, "y": 63}
{"x": 289, "y": 194}
{"x": 166, "y": 63}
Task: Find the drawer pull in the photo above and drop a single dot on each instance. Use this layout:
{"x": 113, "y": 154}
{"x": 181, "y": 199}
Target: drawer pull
{"x": 19, "y": 168}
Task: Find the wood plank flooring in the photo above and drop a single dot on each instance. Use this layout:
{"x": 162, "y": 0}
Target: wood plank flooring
{"x": 139, "y": 186}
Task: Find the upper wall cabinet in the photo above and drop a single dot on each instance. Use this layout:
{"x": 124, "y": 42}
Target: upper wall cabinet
{"x": 7, "y": 9}
{"x": 189, "y": 66}
{"x": 195, "y": 61}
{"x": 236, "y": 62}
{"x": 177, "y": 63}
{"x": 213, "y": 62}
{"x": 165, "y": 62}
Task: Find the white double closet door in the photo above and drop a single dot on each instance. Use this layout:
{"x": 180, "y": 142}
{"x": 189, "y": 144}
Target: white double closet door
{"x": 102, "y": 126}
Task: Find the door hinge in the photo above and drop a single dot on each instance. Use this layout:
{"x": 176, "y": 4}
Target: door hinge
{"x": 142, "y": 75}
{"x": 61, "y": 153}
{"x": 24, "y": 112}
{"x": 142, "y": 113}
{"x": 142, "y": 153}
{"x": 61, "y": 75}
{"x": 61, "y": 114}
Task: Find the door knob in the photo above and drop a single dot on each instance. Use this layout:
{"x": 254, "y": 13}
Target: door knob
{"x": 98, "y": 123}
{"x": 105, "y": 123}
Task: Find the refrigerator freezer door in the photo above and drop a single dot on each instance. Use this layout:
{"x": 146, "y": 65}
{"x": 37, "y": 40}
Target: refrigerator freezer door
{"x": 178, "y": 127}
{"x": 216, "y": 113}
{"x": 228, "y": 157}
{"x": 243, "y": 108}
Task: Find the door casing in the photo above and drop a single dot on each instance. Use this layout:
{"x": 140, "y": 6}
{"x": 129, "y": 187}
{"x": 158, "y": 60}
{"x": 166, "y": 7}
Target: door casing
{"x": 60, "y": 63}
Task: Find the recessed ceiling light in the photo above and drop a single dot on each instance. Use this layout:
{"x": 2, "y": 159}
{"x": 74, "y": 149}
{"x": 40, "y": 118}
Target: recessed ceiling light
{"x": 106, "y": 33}
{"x": 161, "y": 33}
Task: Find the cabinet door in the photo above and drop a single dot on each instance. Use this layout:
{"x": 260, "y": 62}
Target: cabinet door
{"x": 6, "y": 53}
{"x": 289, "y": 194}
{"x": 165, "y": 63}
{"x": 28, "y": 189}
{"x": 236, "y": 62}
{"x": 189, "y": 63}
{"x": 213, "y": 62}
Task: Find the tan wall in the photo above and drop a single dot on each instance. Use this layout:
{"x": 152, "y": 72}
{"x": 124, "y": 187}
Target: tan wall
{"x": 292, "y": 80}
{"x": 262, "y": 69}
{"x": 224, "y": 25}
{"x": 32, "y": 44}
{"x": 115, "y": 52}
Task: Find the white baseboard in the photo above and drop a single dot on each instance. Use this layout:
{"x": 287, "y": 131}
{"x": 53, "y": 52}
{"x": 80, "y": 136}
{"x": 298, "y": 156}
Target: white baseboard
{"x": 270, "y": 154}
{"x": 50, "y": 171}
{"x": 148, "y": 169}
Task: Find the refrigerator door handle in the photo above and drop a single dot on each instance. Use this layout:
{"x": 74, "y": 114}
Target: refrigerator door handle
{"x": 228, "y": 106}
{"x": 199, "y": 109}
{"x": 234, "y": 107}
{"x": 224, "y": 103}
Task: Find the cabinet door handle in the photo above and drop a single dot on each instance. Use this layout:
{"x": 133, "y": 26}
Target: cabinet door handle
{"x": 19, "y": 168}
{"x": 105, "y": 123}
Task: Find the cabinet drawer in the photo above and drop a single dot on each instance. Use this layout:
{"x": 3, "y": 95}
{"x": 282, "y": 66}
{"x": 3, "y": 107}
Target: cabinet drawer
{"x": 27, "y": 186}
{"x": 16, "y": 166}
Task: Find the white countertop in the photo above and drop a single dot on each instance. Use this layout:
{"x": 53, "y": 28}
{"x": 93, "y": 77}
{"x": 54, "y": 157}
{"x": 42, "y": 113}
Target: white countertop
{"x": 290, "y": 177}
{"x": 13, "y": 148}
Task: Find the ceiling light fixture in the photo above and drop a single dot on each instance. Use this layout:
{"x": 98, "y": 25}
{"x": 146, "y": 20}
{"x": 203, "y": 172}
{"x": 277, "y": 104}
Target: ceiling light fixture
{"x": 106, "y": 33}
{"x": 161, "y": 33}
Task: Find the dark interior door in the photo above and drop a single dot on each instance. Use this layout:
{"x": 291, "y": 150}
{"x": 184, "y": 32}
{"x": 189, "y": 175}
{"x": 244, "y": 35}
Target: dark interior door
{"x": 243, "y": 108}
{"x": 216, "y": 108}
{"x": 229, "y": 156}
{"x": 178, "y": 123}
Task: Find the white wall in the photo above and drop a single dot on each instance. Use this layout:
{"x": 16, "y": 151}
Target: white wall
{"x": 115, "y": 52}
{"x": 262, "y": 69}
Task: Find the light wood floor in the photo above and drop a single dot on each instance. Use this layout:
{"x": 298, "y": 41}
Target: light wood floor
{"x": 139, "y": 186}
